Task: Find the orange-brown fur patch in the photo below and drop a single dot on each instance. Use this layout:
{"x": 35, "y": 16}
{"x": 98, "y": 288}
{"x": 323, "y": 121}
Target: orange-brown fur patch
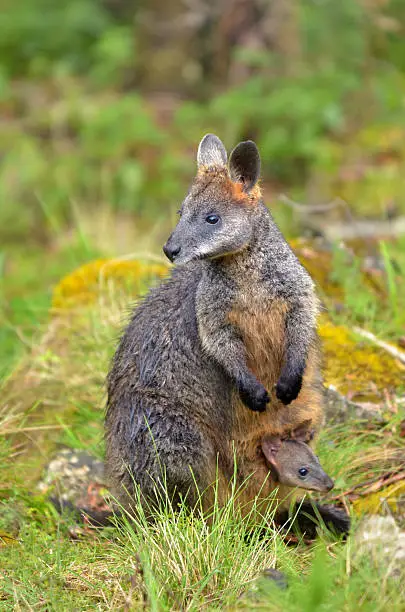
{"x": 230, "y": 190}
{"x": 263, "y": 335}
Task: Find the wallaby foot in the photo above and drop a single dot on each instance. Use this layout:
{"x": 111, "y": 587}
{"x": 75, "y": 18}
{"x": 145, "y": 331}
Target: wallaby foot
{"x": 288, "y": 388}
{"x": 253, "y": 394}
{"x": 94, "y": 517}
{"x": 309, "y": 514}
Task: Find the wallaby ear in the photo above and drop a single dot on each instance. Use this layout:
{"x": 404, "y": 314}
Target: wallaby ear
{"x": 244, "y": 164}
{"x": 270, "y": 447}
{"x": 211, "y": 152}
{"x": 303, "y": 433}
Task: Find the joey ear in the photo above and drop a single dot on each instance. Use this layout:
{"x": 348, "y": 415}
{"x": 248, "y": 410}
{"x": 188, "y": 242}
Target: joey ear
{"x": 303, "y": 433}
{"x": 244, "y": 164}
{"x": 270, "y": 447}
{"x": 211, "y": 152}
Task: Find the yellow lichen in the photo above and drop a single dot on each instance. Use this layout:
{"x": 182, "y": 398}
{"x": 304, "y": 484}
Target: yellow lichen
{"x": 356, "y": 367}
{"x": 84, "y": 285}
{"x": 386, "y": 499}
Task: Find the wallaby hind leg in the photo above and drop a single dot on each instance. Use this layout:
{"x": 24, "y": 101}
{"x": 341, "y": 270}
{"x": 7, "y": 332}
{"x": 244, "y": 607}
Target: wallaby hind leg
{"x": 309, "y": 514}
{"x": 169, "y": 458}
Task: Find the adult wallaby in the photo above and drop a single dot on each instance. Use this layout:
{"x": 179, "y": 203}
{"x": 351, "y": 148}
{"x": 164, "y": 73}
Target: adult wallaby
{"x": 222, "y": 353}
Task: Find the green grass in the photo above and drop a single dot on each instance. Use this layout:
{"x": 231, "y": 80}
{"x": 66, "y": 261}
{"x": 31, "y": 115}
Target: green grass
{"x": 379, "y": 303}
{"x": 177, "y": 563}
{"x": 180, "y": 563}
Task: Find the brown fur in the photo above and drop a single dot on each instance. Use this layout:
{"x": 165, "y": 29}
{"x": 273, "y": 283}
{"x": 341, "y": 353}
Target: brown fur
{"x": 227, "y": 190}
{"x": 263, "y": 337}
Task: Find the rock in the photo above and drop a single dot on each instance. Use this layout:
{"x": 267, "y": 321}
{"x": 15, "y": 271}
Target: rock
{"x": 260, "y": 588}
{"x": 85, "y": 284}
{"x": 383, "y": 542}
{"x": 75, "y": 481}
{"x": 339, "y": 409}
{"x": 71, "y": 473}
{"x": 279, "y": 578}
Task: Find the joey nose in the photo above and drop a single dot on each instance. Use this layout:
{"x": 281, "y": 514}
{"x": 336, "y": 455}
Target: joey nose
{"x": 171, "y": 252}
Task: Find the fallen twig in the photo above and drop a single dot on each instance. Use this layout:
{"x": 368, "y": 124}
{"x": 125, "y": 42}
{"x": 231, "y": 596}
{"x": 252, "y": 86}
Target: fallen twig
{"x": 365, "y": 229}
{"x": 383, "y": 483}
{"x": 389, "y": 348}
{"x": 375, "y": 485}
{"x": 312, "y": 208}
{"x": 38, "y": 428}
{"x": 356, "y": 228}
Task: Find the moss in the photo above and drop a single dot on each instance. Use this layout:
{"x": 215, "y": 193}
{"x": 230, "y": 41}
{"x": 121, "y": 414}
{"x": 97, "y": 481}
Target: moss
{"x": 388, "y": 498}
{"x": 356, "y": 367}
{"x": 84, "y": 285}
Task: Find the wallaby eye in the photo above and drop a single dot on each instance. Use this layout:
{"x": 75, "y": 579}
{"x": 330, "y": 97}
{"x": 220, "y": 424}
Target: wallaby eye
{"x": 303, "y": 472}
{"x": 212, "y": 219}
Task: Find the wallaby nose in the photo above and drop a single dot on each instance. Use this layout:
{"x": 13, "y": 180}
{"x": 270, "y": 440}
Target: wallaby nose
{"x": 329, "y": 484}
{"x": 171, "y": 252}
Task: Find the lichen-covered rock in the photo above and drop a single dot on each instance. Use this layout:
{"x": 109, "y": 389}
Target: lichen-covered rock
{"x": 390, "y": 499}
{"x": 383, "y": 542}
{"x": 85, "y": 285}
{"x": 71, "y": 474}
{"x": 338, "y": 409}
{"x": 357, "y": 368}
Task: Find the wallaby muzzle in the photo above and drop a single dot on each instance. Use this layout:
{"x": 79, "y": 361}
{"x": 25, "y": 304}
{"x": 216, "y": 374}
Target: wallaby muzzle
{"x": 171, "y": 250}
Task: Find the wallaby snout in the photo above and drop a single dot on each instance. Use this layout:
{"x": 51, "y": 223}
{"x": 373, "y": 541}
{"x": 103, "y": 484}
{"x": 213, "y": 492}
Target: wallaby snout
{"x": 171, "y": 250}
{"x": 329, "y": 483}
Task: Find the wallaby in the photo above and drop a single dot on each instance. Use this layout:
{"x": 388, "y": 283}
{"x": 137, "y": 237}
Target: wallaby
{"x": 292, "y": 462}
{"x": 220, "y": 354}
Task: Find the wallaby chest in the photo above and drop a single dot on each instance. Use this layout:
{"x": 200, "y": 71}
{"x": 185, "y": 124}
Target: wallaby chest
{"x": 261, "y": 324}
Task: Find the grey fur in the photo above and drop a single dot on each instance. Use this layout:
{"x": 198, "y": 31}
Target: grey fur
{"x": 244, "y": 164}
{"x": 181, "y": 363}
{"x": 211, "y": 152}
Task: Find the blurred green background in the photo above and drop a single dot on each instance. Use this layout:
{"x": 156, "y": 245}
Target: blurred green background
{"x": 102, "y": 106}
{"x": 103, "y": 103}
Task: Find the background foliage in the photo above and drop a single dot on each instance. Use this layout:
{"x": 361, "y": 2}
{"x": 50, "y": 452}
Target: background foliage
{"x": 102, "y": 105}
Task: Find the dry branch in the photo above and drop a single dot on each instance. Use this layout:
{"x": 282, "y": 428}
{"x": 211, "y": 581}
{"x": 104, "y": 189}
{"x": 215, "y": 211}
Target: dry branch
{"x": 389, "y": 348}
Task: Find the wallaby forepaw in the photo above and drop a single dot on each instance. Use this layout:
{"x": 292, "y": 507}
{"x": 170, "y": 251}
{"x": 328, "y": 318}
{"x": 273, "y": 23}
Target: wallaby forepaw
{"x": 287, "y": 389}
{"x": 254, "y": 396}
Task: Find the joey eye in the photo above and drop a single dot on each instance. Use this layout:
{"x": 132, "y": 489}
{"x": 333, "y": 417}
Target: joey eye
{"x": 212, "y": 219}
{"x": 303, "y": 472}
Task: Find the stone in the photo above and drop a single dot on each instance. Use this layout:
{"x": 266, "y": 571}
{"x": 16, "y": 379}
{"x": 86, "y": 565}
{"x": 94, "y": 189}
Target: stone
{"x": 72, "y": 475}
{"x": 383, "y": 542}
{"x": 339, "y": 409}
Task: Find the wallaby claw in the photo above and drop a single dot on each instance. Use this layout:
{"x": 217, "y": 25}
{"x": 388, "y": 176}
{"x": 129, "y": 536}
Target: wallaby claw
{"x": 287, "y": 390}
{"x": 254, "y": 396}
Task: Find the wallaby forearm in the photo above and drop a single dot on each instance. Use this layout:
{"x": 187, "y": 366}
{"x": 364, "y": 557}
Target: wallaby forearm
{"x": 224, "y": 345}
{"x": 219, "y": 338}
{"x": 299, "y": 334}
